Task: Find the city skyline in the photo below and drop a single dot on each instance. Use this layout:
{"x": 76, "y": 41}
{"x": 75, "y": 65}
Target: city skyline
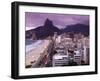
{"x": 58, "y": 50}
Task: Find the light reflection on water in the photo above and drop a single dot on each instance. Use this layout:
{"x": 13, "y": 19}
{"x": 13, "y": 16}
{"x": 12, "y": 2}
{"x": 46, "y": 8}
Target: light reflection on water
{"x": 33, "y": 44}
{"x": 29, "y": 41}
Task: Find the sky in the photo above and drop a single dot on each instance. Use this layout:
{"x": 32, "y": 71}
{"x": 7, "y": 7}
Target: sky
{"x": 33, "y": 20}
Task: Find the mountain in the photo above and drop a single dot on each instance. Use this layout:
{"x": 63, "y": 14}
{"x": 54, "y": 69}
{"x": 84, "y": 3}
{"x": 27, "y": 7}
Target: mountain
{"x": 44, "y": 31}
{"x": 77, "y": 28}
{"x": 48, "y": 29}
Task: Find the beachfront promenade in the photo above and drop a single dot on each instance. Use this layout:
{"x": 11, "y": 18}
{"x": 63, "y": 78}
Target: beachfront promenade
{"x": 34, "y": 56}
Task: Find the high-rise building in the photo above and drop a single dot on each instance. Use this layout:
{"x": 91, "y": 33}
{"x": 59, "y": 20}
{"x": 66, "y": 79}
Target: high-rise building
{"x": 86, "y": 55}
{"x": 55, "y": 35}
{"x": 78, "y": 57}
{"x": 60, "y": 60}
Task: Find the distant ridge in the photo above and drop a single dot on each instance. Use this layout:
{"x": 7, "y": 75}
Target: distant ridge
{"x": 77, "y": 28}
{"x": 48, "y": 29}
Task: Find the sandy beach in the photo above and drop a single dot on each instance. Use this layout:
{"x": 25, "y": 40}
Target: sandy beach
{"x": 34, "y": 56}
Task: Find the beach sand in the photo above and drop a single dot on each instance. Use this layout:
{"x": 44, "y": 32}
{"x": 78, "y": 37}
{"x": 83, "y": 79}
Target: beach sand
{"x": 33, "y": 57}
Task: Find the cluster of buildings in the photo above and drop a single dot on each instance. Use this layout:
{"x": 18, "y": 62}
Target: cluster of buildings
{"x": 67, "y": 49}
{"x": 71, "y": 49}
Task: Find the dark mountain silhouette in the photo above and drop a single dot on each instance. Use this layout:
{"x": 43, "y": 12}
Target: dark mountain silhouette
{"x": 48, "y": 29}
{"x": 77, "y": 28}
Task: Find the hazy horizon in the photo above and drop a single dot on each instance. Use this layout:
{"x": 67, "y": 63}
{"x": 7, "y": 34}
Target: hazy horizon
{"x": 34, "y": 20}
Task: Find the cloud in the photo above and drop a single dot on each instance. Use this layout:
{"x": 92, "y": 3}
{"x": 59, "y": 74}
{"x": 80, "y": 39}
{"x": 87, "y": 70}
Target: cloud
{"x": 61, "y": 20}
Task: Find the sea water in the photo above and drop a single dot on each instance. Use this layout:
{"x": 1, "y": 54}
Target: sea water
{"x": 33, "y": 44}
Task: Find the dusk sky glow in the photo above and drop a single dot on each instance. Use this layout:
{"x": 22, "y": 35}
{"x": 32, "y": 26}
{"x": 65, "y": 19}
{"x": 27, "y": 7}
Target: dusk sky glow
{"x": 33, "y": 20}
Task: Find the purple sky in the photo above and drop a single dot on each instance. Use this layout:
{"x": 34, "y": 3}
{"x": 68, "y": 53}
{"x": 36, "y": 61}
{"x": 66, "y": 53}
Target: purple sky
{"x": 33, "y": 20}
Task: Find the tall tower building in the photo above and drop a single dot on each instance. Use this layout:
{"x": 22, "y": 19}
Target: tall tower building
{"x": 86, "y": 55}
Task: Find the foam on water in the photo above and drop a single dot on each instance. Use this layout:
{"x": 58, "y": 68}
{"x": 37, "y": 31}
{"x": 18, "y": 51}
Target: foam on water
{"x": 34, "y": 45}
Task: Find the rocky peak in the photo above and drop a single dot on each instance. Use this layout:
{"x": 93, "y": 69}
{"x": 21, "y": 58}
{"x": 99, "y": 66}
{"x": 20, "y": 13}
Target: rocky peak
{"x": 48, "y": 22}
